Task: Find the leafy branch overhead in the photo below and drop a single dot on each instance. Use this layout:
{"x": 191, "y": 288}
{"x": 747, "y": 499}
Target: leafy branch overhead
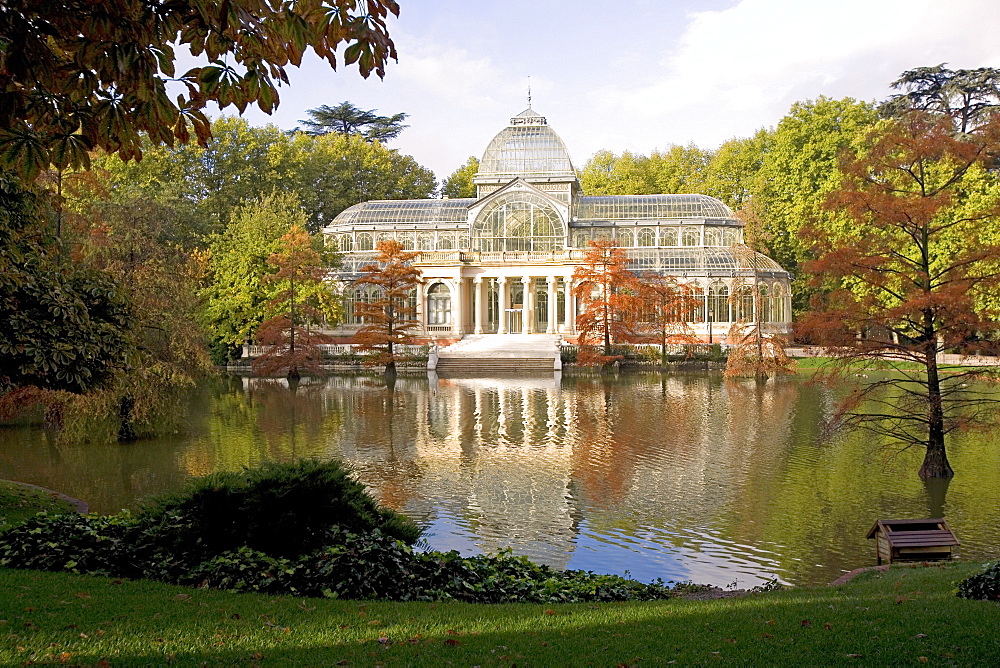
{"x": 80, "y": 75}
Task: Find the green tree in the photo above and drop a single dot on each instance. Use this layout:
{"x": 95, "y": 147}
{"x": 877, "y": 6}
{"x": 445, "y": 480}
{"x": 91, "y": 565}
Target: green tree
{"x": 460, "y": 184}
{"x": 909, "y": 284}
{"x": 968, "y": 96}
{"x": 348, "y": 120}
{"x": 731, "y": 173}
{"x": 679, "y": 169}
{"x": 238, "y": 291}
{"x": 609, "y": 174}
{"x": 798, "y": 170}
{"x": 94, "y": 75}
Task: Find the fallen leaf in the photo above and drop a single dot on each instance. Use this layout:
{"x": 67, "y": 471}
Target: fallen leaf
{"x": 920, "y": 635}
{"x": 236, "y": 615}
{"x": 342, "y": 662}
{"x": 179, "y": 597}
{"x": 82, "y": 594}
{"x": 550, "y": 611}
{"x": 922, "y": 659}
{"x": 806, "y": 622}
{"x": 828, "y": 626}
{"x": 384, "y": 640}
{"x": 854, "y": 656}
{"x": 900, "y": 599}
{"x": 84, "y": 636}
{"x": 770, "y": 622}
{"x": 63, "y": 657}
{"x": 452, "y": 642}
{"x": 768, "y": 635}
{"x": 451, "y": 632}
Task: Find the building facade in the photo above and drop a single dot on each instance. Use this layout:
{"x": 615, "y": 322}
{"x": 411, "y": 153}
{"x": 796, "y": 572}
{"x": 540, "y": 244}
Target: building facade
{"x": 503, "y": 261}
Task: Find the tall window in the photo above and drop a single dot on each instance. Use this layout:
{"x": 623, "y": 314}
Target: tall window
{"x": 626, "y": 238}
{"x": 519, "y": 222}
{"x": 647, "y": 236}
{"x": 718, "y": 302}
{"x": 365, "y": 242}
{"x": 691, "y": 236}
{"x": 668, "y": 236}
{"x": 713, "y": 236}
{"x": 439, "y": 305}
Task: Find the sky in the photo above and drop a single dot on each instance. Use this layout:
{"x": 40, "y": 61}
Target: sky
{"x": 636, "y": 75}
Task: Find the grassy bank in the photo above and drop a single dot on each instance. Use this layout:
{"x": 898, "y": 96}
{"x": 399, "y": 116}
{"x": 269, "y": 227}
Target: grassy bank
{"x": 18, "y": 503}
{"x": 904, "y": 616}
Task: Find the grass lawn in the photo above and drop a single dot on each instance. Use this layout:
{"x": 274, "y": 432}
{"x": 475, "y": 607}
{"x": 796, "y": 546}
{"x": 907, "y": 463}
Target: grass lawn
{"x": 904, "y": 616}
{"x": 18, "y": 503}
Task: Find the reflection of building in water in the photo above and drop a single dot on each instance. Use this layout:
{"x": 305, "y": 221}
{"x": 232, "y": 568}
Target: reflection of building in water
{"x": 492, "y": 463}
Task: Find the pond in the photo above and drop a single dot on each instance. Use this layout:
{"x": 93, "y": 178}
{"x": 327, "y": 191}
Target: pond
{"x": 680, "y": 477}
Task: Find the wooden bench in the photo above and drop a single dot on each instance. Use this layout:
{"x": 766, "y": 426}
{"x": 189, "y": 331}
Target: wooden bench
{"x": 913, "y": 540}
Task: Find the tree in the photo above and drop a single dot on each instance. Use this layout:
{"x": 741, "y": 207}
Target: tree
{"x": 608, "y": 294}
{"x": 667, "y": 307}
{"x": 968, "y": 96}
{"x": 85, "y": 75}
{"x": 907, "y": 288}
{"x": 238, "y": 291}
{"x": 755, "y": 353}
{"x": 289, "y": 333}
{"x": 347, "y": 120}
{"x": 389, "y": 319}
{"x": 460, "y": 184}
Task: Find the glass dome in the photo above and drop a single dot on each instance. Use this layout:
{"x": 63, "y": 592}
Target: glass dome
{"x": 526, "y": 148}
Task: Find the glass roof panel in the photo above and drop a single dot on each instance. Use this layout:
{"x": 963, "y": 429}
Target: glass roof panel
{"x": 406, "y": 211}
{"x": 729, "y": 259}
{"x": 623, "y": 207}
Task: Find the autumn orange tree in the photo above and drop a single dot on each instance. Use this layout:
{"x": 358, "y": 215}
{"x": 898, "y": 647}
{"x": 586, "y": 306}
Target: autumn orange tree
{"x": 389, "y": 319}
{"x": 608, "y": 295}
{"x": 666, "y": 308}
{"x": 755, "y": 352}
{"x": 290, "y": 334}
{"x": 908, "y": 276}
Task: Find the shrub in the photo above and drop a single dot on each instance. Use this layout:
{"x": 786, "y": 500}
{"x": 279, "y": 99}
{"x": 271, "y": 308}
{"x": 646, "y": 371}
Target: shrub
{"x": 75, "y": 543}
{"x": 282, "y": 510}
{"x": 983, "y": 586}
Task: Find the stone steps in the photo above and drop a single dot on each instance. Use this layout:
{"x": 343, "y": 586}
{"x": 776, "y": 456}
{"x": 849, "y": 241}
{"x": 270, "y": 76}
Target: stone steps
{"x": 486, "y": 354}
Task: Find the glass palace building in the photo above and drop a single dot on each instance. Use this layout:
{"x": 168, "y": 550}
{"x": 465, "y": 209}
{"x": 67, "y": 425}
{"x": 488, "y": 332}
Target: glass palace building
{"x": 503, "y": 261}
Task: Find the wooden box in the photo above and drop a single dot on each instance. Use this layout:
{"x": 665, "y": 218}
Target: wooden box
{"x": 913, "y": 540}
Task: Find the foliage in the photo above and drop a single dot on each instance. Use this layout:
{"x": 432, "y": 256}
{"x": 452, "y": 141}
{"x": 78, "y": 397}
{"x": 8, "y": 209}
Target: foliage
{"x": 460, "y": 184}
{"x": 666, "y": 306}
{"x": 79, "y": 77}
{"x": 290, "y": 334}
{"x": 70, "y": 542}
{"x": 348, "y": 120}
{"x": 389, "y": 319}
{"x": 237, "y": 295}
{"x": 984, "y": 586}
{"x": 967, "y": 96}
{"x": 908, "y": 286}
{"x": 679, "y": 169}
{"x": 607, "y": 292}
{"x": 64, "y": 325}
{"x": 283, "y": 510}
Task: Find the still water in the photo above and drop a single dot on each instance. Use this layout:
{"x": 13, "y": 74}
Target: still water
{"x": 680, "y": 477}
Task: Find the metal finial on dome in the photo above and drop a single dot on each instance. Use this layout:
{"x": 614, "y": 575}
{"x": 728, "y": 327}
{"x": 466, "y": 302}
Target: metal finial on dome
{"x": 529, "y": 92}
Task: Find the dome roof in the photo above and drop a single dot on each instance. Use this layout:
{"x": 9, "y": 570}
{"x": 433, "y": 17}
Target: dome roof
{"x": 527, "y": 148}
{"x": 639, "y": 207}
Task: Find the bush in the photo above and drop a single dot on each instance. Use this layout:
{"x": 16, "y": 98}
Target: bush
{"x": 282, "y": 510}
{"x": 983, "y": 586}
{"x": 75, "y": 543}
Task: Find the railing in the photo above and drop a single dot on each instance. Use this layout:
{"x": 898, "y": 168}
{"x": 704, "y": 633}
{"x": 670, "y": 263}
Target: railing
{"x": 336, "y": 349}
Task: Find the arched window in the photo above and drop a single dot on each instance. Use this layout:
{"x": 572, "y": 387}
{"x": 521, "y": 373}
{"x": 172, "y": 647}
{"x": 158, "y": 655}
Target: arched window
{"x": 743, "y": 304}
{"x": 713, "y": 236}
{"x": 519, "y": 222}
{"x": 384, "y": 236}
{"x": 696, "y": 303}
{"x": 626, "y": 238}
{"x": 764, "y": 303}
{"x": 731, "y": 236}
{"x": 718, "y": 302}
{"x": 346, "y": 243}
{"x": 647, "y": 236}
{"x": 581, "y": 239}
{"x": 361, "y": 294}
{"x": 365, "y": 241}
{"x": 425, "y": 241}
{"x": 691, "y": 236}
{"x": 405, "y": 238}
{"x": 463, "y": 241}
{"x": 446, "y": 241}
{"x": 778, "y": 295}
{"x": 439, "y": 305}
{"x": 668, "y": 236}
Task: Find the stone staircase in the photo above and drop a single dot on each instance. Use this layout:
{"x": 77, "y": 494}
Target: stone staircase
{"x": 500, "y": 354}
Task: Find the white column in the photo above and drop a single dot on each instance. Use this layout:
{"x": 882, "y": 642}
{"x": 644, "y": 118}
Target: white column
{"x": 570, "y": 326}
{"x": 503, "y": 303}
{"x": 527, "y": 293}
{"x": 421, "y": 315}
{"x": 458, "y": 308}
{"x": 477, "y": 283}
{"x": 550, "y": 328}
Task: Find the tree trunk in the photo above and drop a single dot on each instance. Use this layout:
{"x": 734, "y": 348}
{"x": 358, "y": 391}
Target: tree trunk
{"x": 935, "y": 459}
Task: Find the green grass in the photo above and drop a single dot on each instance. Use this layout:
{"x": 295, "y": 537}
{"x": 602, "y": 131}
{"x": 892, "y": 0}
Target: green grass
{"x": 18, "y": 503}
{"x": 904, "y": 616}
